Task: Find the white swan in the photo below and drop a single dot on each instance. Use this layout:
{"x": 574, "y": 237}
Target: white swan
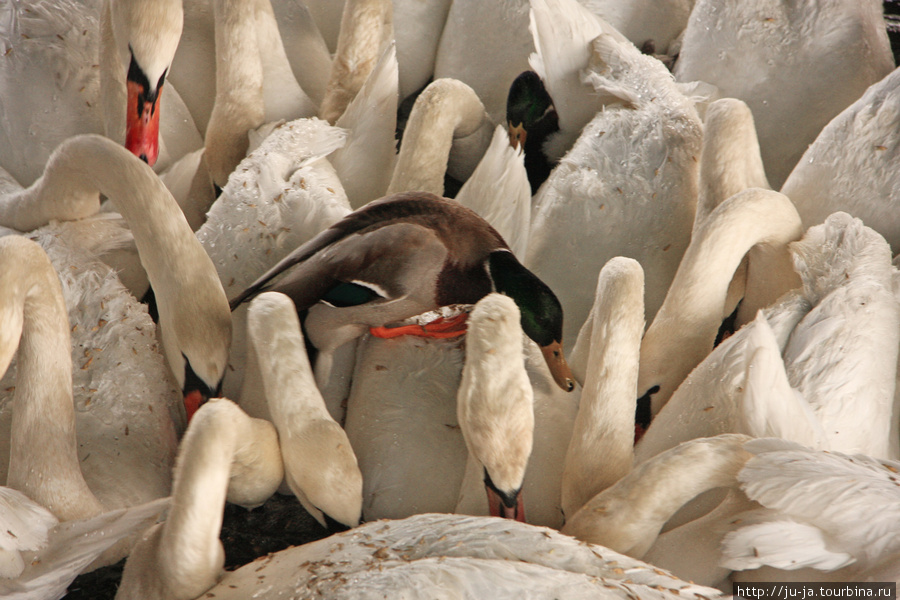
{"x": 223, "y": 454}
{"x": 627, "y": 188}
{"x": 851, "y": 164}
{"x": 495, "y": 410}
{"x": 436, "y": 555}
{"x": 762, "y": 53}
{"x": 280, "y": 196}
{"x": 448, "y": 131}
{"x": 195, "y": 322}
{"x": 366, "y": 31}
{"x": 684, "y": 329}
{"x": 52, "y": 54}
{"x": 46, "y": 434}
{"x": 71, "y": 547}
{"x": 843, "y": 321}
{"x": 601, "y": 449}
{"x": 628, "y": 516}
{"x": 830, "y": 515}
{"x": 498, "y": 190}
{"x": 320, "y": 466}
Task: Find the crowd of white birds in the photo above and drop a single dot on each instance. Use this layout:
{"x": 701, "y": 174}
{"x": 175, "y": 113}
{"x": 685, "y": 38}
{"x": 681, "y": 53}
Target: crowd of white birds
{"x": 719, "y": 226}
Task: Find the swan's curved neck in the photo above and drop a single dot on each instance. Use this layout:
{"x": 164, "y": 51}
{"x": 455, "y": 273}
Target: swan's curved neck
{"x": 685, "y": 327}
{"x": 193, "y": 308}
{"x": 445, "y": 110}
{"x": 43, "y": 450}
{"x": 730, "y": 161}
{"x": 239, "y": 104}
{"x": 220, "y": 435}
{"x": 366, "y": 29}
{"x": 601, "y": 449}
{"x": 628, "y": 516}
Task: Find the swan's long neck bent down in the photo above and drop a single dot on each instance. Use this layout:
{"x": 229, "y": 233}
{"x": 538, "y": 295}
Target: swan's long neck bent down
{"x": 445, "y": 110}
{"x": 684, "y": 329}
{"x": 33, "y": 318}
{"x": 628, "y": 516}
{"x": 601, "y": 449}
{"x": 194, "y": 316}
{"x": 183, "y": 557}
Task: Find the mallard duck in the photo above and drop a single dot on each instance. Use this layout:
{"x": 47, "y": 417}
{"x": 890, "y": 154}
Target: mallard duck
{"x": 531, "y": 118}
{"x": 401, "y": 256}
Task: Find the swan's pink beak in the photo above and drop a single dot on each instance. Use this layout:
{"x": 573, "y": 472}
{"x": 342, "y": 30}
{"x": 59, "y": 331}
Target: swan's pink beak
{"x": 498, "y": 508}
{"x": 142, "y": 123}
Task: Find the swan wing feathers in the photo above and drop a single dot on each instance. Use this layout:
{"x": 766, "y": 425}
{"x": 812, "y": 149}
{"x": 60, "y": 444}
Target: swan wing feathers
{"x": 24, "y": 524}
{"x": 780, "y": 542}
{"x": 853, "y": 499}
{"x": 366, "y": 163}
{"x": 498, "y": 190}
{"x": 279, "y": 197}
{"x": 72, "y": 546}
{"x": 433, "y": 540}
{"x": 126, "y": 403}
{"x": 852, "y": 328}
{"x": 770, "y": 407}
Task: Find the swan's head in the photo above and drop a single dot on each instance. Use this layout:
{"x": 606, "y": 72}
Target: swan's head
{"x": 495, "y": 402}
{"x": 151, "y": 29}
{"x": 196, "y": 338}
{"x": 542, "y": 315}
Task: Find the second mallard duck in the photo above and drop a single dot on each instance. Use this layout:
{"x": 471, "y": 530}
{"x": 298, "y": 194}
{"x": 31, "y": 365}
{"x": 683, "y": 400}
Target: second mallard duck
{"x": 404, "y": 255}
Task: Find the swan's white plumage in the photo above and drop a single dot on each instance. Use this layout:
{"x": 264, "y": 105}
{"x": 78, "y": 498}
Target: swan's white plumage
{"x": 795, "y": 64}
{"x": 851, "y": 166}
{"x": 445, "y": 556}
{"x": 833, "y": 510}
{"x": 24, "y": 525}
{"x": 72, "y": 546}
{"x": 819, "y": 331}
{"x": 498, "y": 191}
{"x": 627, "y": 188}
{"x": 365, "y": 163}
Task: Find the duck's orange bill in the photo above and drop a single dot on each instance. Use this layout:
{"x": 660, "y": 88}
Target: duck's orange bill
{"x": 142, "y": 124}
{"x": 439, "y": 328}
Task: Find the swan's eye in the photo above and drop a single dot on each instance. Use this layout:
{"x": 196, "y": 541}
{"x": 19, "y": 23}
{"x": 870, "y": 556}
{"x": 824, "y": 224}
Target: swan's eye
{"x": 556, "y": 354}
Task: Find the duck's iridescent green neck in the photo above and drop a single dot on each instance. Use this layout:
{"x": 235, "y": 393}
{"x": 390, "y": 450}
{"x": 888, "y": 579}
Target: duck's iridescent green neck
{"x": 542, "y": 315}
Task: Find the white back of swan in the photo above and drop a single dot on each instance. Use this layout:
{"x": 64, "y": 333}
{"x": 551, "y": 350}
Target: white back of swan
{"x": 732, "y": 45}
{"x": 447, "y": 556}
{"x": 628, "y": 187}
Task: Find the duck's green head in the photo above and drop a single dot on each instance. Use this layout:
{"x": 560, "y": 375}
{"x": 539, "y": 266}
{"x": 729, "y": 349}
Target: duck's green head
{"x": 528, "y": 108}
{"x": 542, "y": 315}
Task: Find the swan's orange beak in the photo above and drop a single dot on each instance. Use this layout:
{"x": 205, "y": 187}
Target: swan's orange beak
{"x": 142, "y": 122}
{"x": 193, "y": 400}
{"x": 498, "y": 507}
